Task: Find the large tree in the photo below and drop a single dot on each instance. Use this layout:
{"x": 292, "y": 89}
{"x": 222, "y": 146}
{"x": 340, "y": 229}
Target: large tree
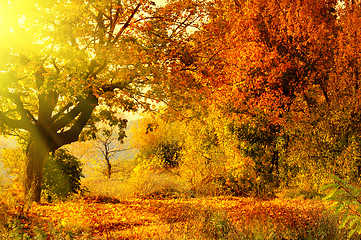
{"x": 287, "y": 74}
{"x": 60, "y": 60}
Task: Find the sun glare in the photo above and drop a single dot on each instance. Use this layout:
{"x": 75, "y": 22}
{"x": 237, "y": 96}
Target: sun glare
{"x": 8, "y": 18}
{"x": 13, "y": 24}
{"x": 11, "y": 17}
{"x": 21, "y": 20}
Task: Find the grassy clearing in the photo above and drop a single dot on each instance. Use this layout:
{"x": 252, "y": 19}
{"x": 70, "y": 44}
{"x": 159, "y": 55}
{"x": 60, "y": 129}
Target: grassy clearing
{"x": 193, "y": 218}
{"x": 159, "y": 207}
{"x": 148, "y": 184}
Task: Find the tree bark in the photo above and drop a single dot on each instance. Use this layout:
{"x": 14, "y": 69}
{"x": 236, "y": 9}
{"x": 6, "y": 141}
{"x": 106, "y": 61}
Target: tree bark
{"x": 109, "y": 169}
{"x": 36, "y": 154}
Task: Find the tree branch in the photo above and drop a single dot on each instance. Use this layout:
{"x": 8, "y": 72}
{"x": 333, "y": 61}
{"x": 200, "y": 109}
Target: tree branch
{"x": 126, "y": 24}
{"x": 113, "y": 22}
{"x": 70, "y": 116}
{"x": 147, "y": 18}
{"x": 61, "y": 111}
{"x": 181, "y": 24}
{"x": 13, "y": 123}
{"x": 99, "y": 69}
{"x": 25, "y": 114}
{"x": 120, "y": 150}
{"x": 86, "y": 108}
{"x": 111, "y": 87}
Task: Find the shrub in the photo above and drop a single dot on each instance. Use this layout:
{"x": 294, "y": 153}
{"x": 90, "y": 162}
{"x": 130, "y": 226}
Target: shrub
{"x": 151, "y": 180}
{"x": 62, "y": 174}
{"x": 347, "y": 204}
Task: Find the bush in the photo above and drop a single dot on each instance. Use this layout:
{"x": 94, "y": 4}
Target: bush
{"x": 347, "y": 204}
{"x": 151, "y": 180}
{"x": 62, "y": 174}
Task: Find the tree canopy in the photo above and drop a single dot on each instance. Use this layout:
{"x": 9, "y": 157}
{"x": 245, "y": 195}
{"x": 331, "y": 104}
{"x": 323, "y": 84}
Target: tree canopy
{"x": 286, "y": 76}
{"x": 63, "y": 61}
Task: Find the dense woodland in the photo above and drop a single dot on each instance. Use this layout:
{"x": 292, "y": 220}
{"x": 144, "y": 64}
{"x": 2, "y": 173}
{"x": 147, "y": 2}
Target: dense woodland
{"x": 239, "y": 99}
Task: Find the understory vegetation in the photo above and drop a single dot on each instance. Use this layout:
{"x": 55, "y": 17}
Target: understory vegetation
{"x": 103, "y": 216}
{"x": 153, "y": 202}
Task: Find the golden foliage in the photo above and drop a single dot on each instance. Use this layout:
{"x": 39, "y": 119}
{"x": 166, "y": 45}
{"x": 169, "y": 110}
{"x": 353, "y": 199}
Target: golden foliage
{"x": 201, "y": 218}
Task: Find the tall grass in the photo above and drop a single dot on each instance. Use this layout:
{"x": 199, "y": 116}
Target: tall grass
{"x": 148, "y": 184}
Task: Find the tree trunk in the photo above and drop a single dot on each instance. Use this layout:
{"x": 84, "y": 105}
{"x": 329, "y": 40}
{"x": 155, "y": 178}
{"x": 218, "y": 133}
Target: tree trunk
{"x": 36, "y": 154}
{"x": 109, "y": 167}
{"x": 275, "y": 166}
{"x": 45, "y": 139}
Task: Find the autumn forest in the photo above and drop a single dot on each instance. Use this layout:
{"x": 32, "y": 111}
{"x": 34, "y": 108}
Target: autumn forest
{"x": 134, "y": 119}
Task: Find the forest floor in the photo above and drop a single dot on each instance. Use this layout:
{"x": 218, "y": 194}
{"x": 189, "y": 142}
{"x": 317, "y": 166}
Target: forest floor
{"x": 188, "y": 218}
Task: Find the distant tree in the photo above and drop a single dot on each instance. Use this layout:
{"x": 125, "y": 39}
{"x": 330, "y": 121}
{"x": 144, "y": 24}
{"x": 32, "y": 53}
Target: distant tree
{"x": 109, "y": 144}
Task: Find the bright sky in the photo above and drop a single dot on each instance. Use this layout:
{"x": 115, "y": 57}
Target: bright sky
{"x": 159, "y": 2}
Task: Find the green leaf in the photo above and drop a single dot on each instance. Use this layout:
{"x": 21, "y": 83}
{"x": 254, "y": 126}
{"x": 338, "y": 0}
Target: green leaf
{"x": 345, "y": 221}
{"x": 349, "y": 235}
{"x": 354, "y": 221}
{"x": 328, "y": 186}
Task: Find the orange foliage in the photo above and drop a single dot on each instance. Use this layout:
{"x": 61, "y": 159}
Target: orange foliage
{"x": 272, "y": 53}
{"x": 140, "y": 218}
